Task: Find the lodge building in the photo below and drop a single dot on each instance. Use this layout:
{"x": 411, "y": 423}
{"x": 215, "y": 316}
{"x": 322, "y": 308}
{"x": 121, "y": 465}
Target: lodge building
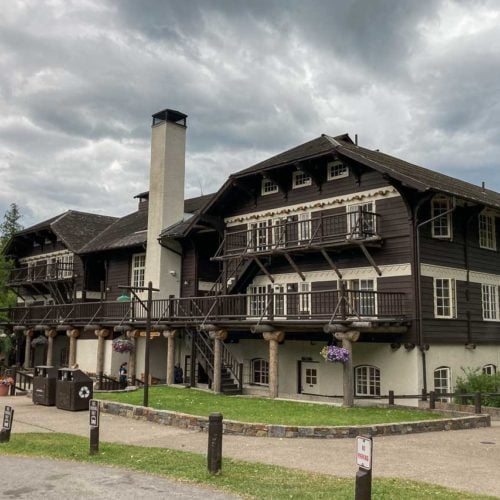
{"x": 327, "y": 243}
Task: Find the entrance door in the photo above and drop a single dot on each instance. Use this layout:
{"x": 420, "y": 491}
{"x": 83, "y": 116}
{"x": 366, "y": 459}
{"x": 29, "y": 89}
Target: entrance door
{"x": 309, "y": 377}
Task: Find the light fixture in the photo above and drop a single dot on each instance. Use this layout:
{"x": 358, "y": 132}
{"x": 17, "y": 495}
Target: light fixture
{"x": 470, "y": 346}
{"x": 123, "y": 298}
{"x": 173, "y": 272}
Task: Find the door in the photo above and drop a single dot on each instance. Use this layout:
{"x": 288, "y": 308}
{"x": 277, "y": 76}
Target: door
{"x": 309, "y": 376}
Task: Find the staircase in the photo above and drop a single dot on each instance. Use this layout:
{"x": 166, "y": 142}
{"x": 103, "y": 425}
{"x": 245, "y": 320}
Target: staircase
{"x": 231, "y": 369}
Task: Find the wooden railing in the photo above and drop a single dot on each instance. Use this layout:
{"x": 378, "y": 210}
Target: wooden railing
{"x": 268, "y": 236}
{"x": 47, "y": 271}
{"x": 329, "y": 305}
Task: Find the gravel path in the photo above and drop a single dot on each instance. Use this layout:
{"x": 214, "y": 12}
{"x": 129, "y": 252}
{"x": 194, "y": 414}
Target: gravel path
{"x": 466, "y": 460}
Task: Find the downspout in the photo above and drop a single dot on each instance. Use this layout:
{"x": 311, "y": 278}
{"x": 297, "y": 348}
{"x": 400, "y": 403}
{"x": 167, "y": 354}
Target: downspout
{"x": 418, "y": 284}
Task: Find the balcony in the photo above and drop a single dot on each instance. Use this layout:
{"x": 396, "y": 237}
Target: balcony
{"x": 278, "y": 236}
{"x": 41, "y": 273}
{"x": 303, "y": 309}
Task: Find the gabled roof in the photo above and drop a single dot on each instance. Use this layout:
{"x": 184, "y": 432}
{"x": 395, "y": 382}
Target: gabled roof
{"x": 74, "y": 228}
{"x": 131, "y": 230}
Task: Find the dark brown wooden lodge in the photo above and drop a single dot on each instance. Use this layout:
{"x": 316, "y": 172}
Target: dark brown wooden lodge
{"x": 325, "y": 243}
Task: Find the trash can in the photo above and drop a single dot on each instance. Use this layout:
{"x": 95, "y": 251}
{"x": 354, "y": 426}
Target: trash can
{"x": 44, "y": 385}
{"x": 73, "y": 390}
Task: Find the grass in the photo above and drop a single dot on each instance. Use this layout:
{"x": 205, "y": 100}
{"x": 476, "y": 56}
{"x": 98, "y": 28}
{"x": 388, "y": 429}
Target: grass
{"x": 247, "y": 479}
{"x": 265, "y": 411}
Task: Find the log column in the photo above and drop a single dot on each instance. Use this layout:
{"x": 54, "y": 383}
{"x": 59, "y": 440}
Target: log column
{"x": 132, "y": 357}
{"x": 50, "y": 334}
{"x": 27, "y": 349}
{"x": 170, "y": 336}
{"x": 347, "y": 339}
{"x": 274, "y": 338}
{"x": 218, "y": 337}
{"x": 101, "y": 336}
{"x": 73, "y": 334}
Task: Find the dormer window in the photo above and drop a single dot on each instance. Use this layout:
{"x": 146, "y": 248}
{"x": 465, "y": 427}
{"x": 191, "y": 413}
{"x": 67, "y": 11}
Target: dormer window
{"x": 301, "y": 179}
{"x": 441, "y": 215}
{"x": 269, "y": 187}
{"x": 337, "y": 170}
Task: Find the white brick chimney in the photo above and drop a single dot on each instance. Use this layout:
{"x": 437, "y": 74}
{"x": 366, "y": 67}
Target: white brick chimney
{"x": 166, "y": 199}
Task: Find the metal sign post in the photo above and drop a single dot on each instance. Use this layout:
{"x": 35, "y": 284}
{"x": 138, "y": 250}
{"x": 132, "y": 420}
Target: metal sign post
{"x": 364, "y": 460}
{"x": 94, "y": 426}
{"x": 8, "y": 416}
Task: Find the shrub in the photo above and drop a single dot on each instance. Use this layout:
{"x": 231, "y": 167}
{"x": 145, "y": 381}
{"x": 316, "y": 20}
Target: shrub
{"x": 474, "y": 380}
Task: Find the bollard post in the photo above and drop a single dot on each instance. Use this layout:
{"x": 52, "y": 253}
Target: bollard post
{"x": 477, "y": 402}
{"x": 432, "y": 400}
{"x": 364, "y": 460}
{"x": 391, "y": 397}
{"x": 8, "y": 416}
{"x": 94, "y": 426}
{"x": 214, "y": 456}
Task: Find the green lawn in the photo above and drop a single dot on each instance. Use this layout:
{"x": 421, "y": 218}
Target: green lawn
{"x": 247, "y": 479}
{"x": 265, "y": 411}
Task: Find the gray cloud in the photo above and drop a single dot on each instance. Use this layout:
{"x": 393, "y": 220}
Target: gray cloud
{"x": 79, "y": 81}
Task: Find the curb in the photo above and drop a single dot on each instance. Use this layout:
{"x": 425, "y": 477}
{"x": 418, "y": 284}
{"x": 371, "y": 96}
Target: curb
{"x": 233, "y": 427}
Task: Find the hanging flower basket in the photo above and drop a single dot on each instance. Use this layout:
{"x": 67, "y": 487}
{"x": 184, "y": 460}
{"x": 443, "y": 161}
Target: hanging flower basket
{"x": 334, "y": 354}
{"x": 123, "y": 345}
{"x": 40, "y": 340}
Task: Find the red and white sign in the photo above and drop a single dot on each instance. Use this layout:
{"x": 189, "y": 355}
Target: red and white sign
{"x": 364, "y": 447}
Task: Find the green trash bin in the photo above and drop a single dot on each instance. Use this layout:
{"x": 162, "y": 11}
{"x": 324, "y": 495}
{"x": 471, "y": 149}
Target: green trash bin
{"x": 73, "y": 390}
{"x": 44, "y": 385}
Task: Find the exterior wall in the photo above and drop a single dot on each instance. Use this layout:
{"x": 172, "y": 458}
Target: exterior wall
{"x": 457, "y": 357}
{"x": 86, "y": 354}
{"x": 118, "y": 274}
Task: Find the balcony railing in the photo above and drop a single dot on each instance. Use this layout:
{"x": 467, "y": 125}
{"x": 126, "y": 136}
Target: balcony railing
{"x": 293, "y": 306}
{"x": 38, "y": 273}
{"x": 271, "y": 235}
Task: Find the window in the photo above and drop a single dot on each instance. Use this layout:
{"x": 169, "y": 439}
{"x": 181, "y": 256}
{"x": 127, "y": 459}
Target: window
{"x": 367, "y": 381}
{"x": 442, "y": 381}
{"x": 361, "y": 220}
{"x": 260, "y": 372}
{"x": 257, "y": 296}
{"x": 445, "y": 298}
{"x": 441, "y": 225}
{"x": 337, "y": 170}
{"x": 487, "y": 237}
{"x": 304, "y": 298}
{"x": 362, "y": 297}
{"x": 300, "y": 179}
{"x": 489, "y": 369}
{"x": 268, "y": 187}
{"x": 279, "y": 232}
{"x": 304, "y": 226}
{"x": 279, "y": 299}
{"x": 490, "y": 301}
{"x": 138, "y": 269}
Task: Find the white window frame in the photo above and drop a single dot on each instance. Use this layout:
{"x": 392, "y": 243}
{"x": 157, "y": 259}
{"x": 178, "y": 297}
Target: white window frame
{"x": 336, "y": 169}
{"x": 489, "y": 301}
{"x": 304, "y": 227}
{"x": 489, "y": 369}
{"x": 442, "y": 375}
{"x": 280, "y": 300}
{"x": 440, "y": 308}
{"x": 279, "y": 232}
{"x": 138, "y": 270}
{"x": 304, "y": 289}
{"x": 364, "y": 305}
{"x": 352, "y": 219}
{"x": 300, "y": 179}
{"x": 257, "y": 296}
{"x": 268, "y": 186}
{"x": 442, "y": 226}
{"x": 263, "y": 370}
{"x": 367, "y": 380}
{"x": 487, "y": 232}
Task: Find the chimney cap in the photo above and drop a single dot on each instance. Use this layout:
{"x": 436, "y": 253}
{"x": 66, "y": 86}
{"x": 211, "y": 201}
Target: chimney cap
{"x": 169, "y": 115}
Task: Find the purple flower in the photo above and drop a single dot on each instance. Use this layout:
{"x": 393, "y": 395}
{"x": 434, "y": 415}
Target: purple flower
{"x": 334, "y": 354}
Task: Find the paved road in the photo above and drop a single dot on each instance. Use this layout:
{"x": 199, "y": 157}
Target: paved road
{"x": 57, "y": 480}
{"x": 466, "y": 460}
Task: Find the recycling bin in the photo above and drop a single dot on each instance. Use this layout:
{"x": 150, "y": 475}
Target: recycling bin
{"x": 73, "y": 390}
{"x": 44, "y": 385}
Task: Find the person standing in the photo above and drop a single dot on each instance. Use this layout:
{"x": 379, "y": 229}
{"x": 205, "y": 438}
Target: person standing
{"x": 122, "y": 375}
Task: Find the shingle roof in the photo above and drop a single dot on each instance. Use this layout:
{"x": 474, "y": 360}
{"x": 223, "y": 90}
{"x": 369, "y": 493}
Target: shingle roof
{"x": 407, "y": 173}
{"x": 74, "y": 228}
{"x": 131, "y": 230}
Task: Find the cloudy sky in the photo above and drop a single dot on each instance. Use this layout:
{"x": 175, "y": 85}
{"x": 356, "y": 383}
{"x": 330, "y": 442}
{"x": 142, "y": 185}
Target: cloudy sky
{"x": 80, "y": 79}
